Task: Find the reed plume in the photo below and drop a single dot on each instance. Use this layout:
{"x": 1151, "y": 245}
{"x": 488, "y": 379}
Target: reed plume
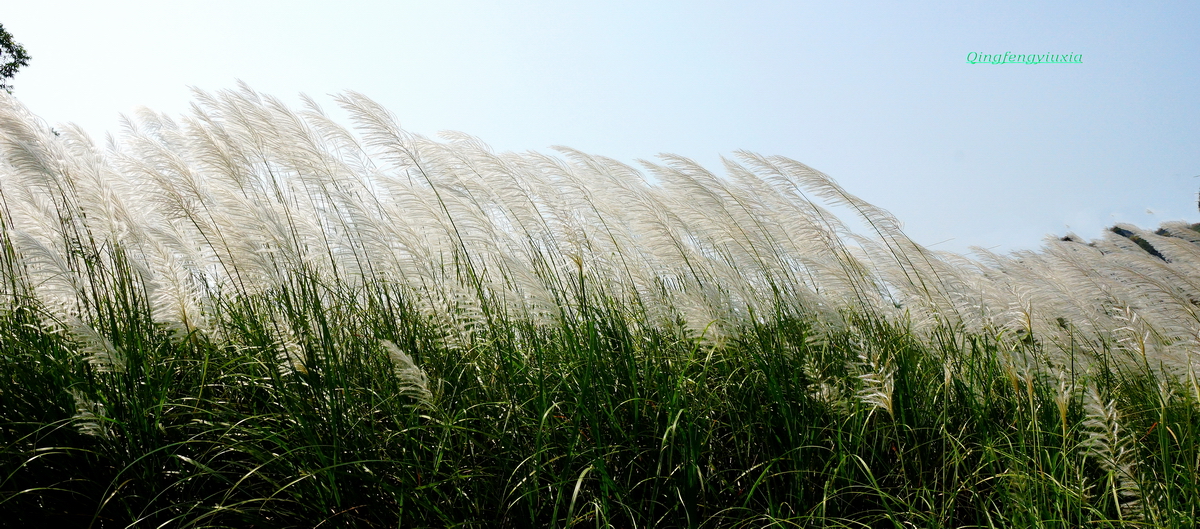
{"x": 233, "y": 198}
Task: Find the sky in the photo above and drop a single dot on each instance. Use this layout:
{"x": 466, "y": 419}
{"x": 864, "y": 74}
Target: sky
{"x": 878, "y": 95}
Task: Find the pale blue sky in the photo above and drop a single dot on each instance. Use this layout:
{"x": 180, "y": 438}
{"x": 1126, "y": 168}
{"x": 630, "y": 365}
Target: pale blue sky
{"x": 878, "y": 95}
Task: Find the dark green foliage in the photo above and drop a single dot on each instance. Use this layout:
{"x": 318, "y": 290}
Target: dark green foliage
{"x": 12, "y": 57}
{"x": 1142, "y": 243}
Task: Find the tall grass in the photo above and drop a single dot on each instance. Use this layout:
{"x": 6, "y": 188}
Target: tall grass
{"x": 253, "y": 317}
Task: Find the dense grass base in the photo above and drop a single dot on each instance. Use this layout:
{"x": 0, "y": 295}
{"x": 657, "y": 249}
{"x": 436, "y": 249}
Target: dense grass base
{"x": 595, "y": 421}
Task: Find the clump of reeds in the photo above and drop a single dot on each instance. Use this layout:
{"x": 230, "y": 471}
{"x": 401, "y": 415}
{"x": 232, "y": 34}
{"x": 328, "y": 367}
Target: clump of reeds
{"x": 251, "y": 315}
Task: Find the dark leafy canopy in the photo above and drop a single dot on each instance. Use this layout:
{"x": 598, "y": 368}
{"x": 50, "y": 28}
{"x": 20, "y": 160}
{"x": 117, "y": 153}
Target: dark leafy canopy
{"x": 12, "y": 58}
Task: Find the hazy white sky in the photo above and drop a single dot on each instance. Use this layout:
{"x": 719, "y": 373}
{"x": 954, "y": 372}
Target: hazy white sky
{"x": 878, "y": 95}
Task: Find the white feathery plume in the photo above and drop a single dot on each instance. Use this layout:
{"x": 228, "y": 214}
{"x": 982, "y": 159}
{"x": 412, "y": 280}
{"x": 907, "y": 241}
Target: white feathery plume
{"x": 876, "y": 375}
{"x": 413, "y": 380}
{"x": 97, "y": 349}
{"x": 244, "y": 191}
{"x": 1107, "y": 442}
{"x": 1066, "y": 393}
{"x": 878, "y": 383}
{"x": 91, "y": 418}
{"x": 175, "y": 297}
{"x": 291, "y": 355}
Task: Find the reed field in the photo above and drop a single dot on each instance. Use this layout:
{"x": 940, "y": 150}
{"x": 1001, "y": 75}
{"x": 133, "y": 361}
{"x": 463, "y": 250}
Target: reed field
{"x": 255, "y": 316}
